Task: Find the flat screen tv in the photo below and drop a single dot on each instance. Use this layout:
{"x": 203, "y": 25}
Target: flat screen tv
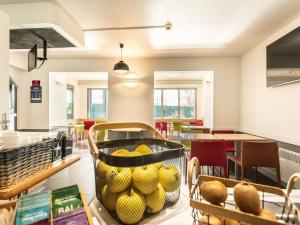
{"x": 283, "y": 59}
{"x": 32, "y": 58}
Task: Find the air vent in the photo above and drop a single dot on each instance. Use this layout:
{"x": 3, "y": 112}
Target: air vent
{"x": 27, "y": 38}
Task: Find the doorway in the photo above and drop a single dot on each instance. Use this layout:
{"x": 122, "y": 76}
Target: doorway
{"x": 13, "y": 89}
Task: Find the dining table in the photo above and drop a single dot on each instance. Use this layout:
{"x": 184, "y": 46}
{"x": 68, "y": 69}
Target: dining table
{"x": 189, "y": 136}
{"x": 68, "y": 126}
{"x": 196, "y": 127}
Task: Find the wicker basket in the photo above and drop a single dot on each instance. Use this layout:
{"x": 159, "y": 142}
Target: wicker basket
{"x": 284, "y": 209}
{"x": 166, "y": 154}
{"x": 18, "y": 163}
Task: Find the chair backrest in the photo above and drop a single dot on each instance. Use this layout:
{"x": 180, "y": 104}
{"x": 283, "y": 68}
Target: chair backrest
{"x": 196, "y": 122}
{"x": 177, "y": 126}
{"x": 260, "y": 153}
{"x": 88, "y": 124}
{"x": 222, "y": 131}
{"x": 163, "y": 126}
{"x": 157, "y": 125}
{"x": 209, "y": 153}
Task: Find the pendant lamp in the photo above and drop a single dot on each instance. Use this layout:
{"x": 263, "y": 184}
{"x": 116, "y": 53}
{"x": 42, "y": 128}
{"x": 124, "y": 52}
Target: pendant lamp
{"x": 121, "y": 66}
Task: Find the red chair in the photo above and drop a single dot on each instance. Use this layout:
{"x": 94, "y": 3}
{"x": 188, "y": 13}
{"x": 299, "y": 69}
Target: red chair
{"x": 158, "y": 125}
{"x": 229, "y": 145}
{"x": 164, "y": 127}
{"x": 209, "y": 153}
{"x": 87, "y": 125}
{"x": 196, "y": 122}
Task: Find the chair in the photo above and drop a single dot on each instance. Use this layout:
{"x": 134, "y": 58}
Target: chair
{"x": 229, "y": 145}
{"x": 196, "y": 123}
{"x": 209, "y": 153}
{"x": 158, "y": 125}
{"x": 87, "y": 125}
{"x": 177, "y": 127}
{"x": 258, "y": 154}
{"x": 79, "y": 131}
{"x": 164, "y": 128}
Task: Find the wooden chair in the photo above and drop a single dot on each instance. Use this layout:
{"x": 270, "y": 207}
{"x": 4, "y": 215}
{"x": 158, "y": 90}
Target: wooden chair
{"x": 258, "y": 154}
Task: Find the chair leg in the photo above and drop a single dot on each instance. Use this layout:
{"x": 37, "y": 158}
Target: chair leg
{"x": 278, "y": 176}
{"x": 213, "y": 169}
{"x": 255, "y": 174}
{"x": 243, "y": 171}
{"x": 186, "y": 162}
{"x": 226, "y": 171}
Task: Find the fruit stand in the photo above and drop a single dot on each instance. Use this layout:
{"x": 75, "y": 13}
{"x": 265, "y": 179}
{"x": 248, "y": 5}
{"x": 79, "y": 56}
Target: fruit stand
{"x": 136, "y": 178}
{"x": 217, "y": 201}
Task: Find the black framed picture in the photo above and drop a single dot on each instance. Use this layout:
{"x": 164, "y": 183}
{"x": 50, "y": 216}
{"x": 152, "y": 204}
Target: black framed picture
{"x": 35, "y": 94}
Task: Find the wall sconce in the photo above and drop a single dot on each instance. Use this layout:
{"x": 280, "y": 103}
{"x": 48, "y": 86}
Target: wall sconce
{"x": 131, "y": 80}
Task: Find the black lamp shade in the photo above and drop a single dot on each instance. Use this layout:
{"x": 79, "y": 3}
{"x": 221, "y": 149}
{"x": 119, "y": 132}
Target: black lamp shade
{"x": 121, "y": 67}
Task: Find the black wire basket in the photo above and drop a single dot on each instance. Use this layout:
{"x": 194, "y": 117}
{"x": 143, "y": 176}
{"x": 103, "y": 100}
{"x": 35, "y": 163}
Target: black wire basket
{"x": 138, "y": 178}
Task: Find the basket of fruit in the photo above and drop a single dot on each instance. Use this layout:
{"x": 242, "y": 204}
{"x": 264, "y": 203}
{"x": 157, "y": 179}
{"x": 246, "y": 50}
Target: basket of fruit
{"x": 136, "y": 178}
{"x": 220, "y": 201}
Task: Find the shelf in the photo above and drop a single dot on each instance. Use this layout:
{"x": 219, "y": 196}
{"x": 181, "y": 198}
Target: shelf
{"x": 30, "y": 181}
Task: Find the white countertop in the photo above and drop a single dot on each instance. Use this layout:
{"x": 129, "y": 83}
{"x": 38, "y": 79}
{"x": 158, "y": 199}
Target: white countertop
{"x": 13, "y": 139}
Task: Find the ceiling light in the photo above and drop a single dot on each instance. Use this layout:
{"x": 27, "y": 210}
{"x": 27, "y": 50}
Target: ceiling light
{"x": 166, "y": 26}
{"x": 121, "y": 66}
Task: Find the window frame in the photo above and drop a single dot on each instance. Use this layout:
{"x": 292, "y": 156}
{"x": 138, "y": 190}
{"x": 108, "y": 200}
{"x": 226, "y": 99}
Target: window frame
{"x": 178, "y": 106}
{"x": 71, "y": 116}
{"x": 105, "y": 100}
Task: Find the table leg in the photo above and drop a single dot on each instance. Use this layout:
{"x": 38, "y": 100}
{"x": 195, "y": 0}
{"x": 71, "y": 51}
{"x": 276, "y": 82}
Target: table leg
{"x": 237, "y": 153}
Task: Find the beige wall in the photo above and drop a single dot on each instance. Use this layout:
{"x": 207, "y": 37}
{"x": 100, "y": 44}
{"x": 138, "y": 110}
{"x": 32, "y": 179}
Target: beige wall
{"x": 4, "y": 74}
{"x": 271, "y": 112}
{"x": 136, "y": 104}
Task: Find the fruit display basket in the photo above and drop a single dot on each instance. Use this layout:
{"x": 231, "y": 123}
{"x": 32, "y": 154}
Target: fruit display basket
{"x": 136, "y": 178}
{"x": 273, "y": 206}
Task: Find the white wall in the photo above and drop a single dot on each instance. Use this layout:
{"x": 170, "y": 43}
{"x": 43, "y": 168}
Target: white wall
{"x": 4, "y": 76}
{"x": 271, "y": 112}
{"x": 57, "y": 99}
{"x": 136, "y": 104}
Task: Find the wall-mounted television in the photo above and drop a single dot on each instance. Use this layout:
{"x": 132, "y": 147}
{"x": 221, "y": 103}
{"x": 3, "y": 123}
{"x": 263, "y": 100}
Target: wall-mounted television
{"x": 283, "y": 59}
{"x": 32, "y": 58}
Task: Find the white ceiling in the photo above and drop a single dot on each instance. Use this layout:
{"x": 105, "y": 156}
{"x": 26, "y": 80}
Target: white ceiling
{"x": 200, "y": 27}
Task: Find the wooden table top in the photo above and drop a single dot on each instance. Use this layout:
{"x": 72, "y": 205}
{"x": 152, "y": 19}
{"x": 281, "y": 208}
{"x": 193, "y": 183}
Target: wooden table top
{"x": 199, "y": 137}
{"x": 239, "y": 137}
{"x": 38, "y": 177}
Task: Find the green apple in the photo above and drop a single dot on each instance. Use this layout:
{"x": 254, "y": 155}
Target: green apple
{"x": 120, "y": 152}
{"x": 158, "y": 165}
{"x": 102, "y": 169}
{"x": 169, "y": 178}
{"x": 118, "y": 179}
{"x": 133, "y": 154}
{"x": 108, "y": 198}
{"x": 156, "y": 200}
{"x": 145, "y": 178}
{"x": 130, "y": 206}
{"x": 144, "y": 149}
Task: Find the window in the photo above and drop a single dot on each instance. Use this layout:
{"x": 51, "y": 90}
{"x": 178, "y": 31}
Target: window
{"x": 70, "y": 102}
{"x": 175, "y": 103}
{"x": 97, "y": 103}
